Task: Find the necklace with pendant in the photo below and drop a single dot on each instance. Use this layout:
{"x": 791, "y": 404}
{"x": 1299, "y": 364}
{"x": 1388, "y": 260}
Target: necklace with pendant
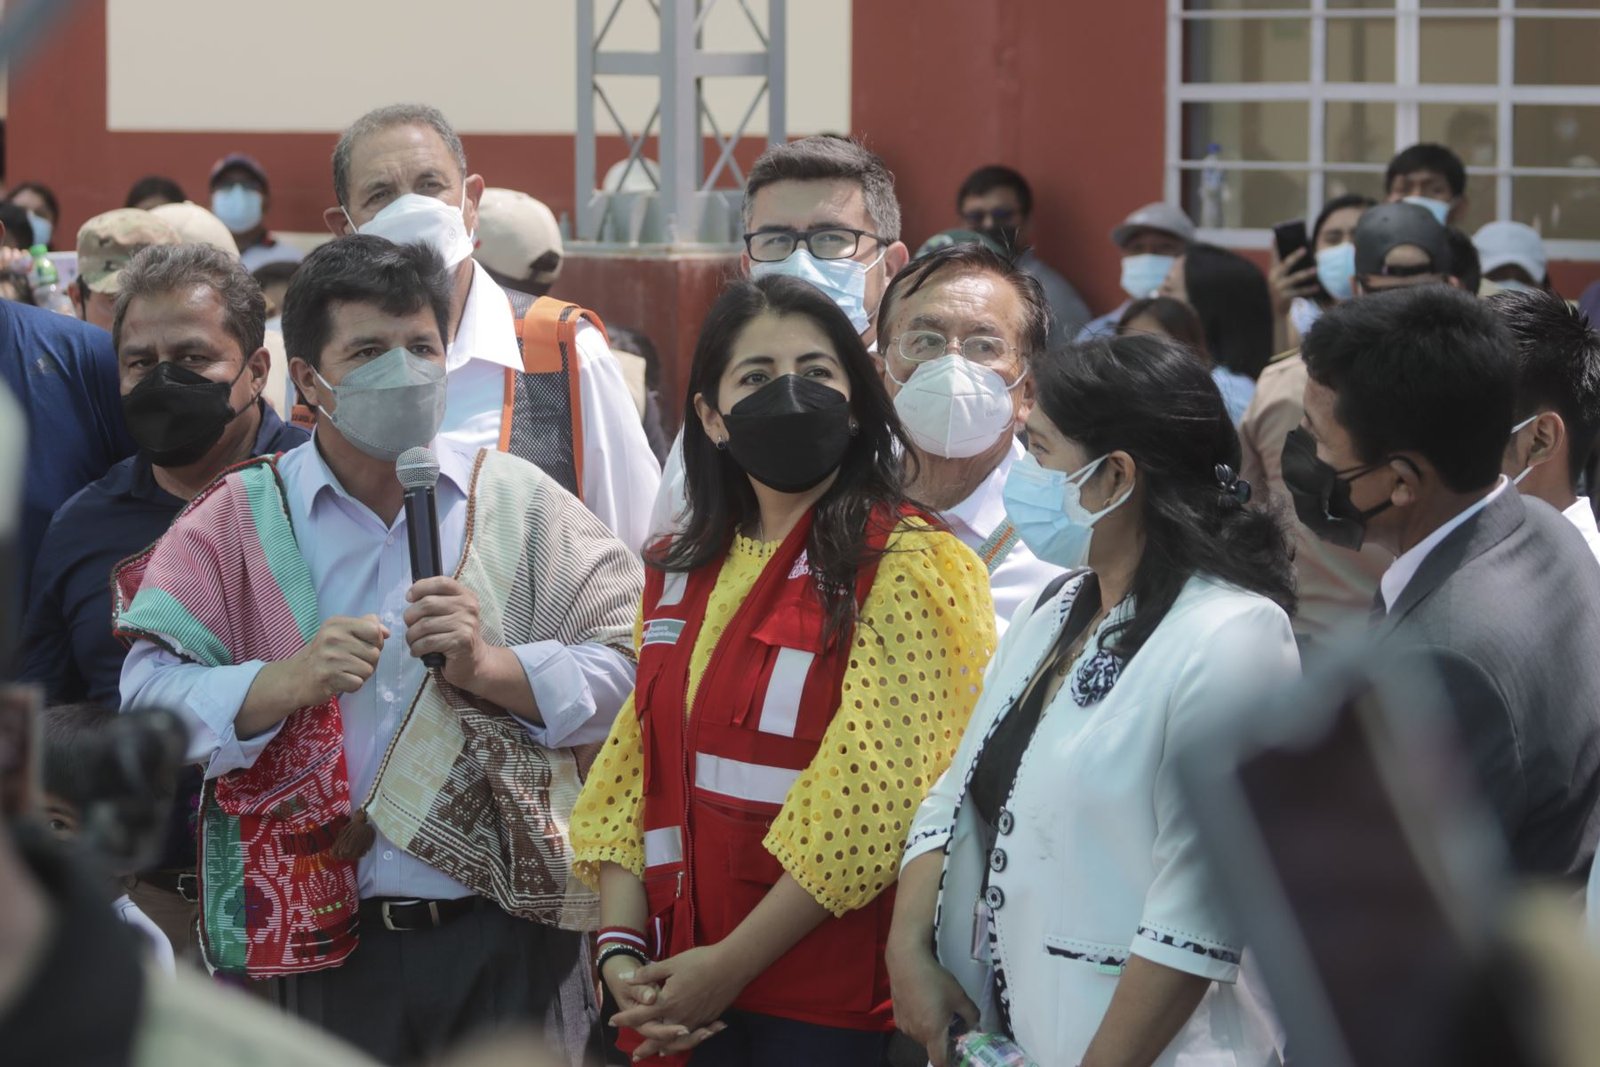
{"x": 1070, "y": 655}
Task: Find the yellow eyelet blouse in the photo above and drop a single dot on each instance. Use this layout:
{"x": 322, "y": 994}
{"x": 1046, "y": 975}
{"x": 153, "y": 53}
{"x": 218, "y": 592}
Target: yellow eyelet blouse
{"x": 925, "y": 635}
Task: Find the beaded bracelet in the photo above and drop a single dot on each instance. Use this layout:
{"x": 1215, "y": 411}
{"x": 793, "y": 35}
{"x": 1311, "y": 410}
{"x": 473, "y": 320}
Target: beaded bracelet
{"x": 616, "y": 949}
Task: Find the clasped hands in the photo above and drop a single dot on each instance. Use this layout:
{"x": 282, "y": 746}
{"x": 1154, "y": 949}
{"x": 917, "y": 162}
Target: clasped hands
{"x": 677, "y": 1003}
{"x": 443, "y": 618}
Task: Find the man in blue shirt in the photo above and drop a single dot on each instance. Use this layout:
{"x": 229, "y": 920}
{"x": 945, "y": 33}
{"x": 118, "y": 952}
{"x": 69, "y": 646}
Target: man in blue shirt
{"x": 64, "y": 375}
{"x": 188, "y": 329}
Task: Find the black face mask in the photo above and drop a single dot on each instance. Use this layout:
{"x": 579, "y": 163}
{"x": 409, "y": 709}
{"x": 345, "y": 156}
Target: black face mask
{"x": 176, "y": 415}
{"x": 790, "y": 434}
{"x": 1322, "y": 495}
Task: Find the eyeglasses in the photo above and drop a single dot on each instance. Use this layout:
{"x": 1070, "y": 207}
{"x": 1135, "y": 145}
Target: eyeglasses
{"x": 831, "y": 242}
{"x": 1002, "y": 216}
{"x": 922, "y": 346}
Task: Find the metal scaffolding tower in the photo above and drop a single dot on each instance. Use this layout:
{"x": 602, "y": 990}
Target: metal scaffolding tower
{"x": 681, "y": 203}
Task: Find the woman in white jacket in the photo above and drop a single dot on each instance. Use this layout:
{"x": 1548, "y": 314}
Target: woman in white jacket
{"x": 1053, "y": 888}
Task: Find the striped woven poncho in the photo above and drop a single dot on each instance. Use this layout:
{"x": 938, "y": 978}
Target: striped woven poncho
{"x": 463, "y": 786}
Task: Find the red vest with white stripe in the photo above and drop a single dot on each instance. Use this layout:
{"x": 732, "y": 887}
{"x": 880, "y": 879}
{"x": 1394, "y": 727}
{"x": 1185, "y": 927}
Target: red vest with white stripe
{"x": 714, "y": 779}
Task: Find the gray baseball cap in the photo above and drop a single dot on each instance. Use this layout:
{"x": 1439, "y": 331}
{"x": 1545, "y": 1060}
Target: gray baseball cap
{"x": 1168, "y": 218}
{"x": 1388, "y": 226}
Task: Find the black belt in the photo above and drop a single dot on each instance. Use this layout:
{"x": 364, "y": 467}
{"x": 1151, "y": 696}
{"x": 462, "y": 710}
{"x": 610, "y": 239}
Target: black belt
{"x": 183, "y": 883}
{"x": 405, "y": 916}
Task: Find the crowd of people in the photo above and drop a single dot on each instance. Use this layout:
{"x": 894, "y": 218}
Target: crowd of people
{"x": 845, "y": 727}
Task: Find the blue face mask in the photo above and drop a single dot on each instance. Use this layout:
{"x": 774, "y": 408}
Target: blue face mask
{"x": 844, "y": 280}
{"x": 238, "y": 207}
{"x": 42, "y": 228}
{"x": 1439, "y": 209}
{"x": 1143, "y": 274}
{"x": 1336, "y": 269}
{"x": 1046, "y": 509}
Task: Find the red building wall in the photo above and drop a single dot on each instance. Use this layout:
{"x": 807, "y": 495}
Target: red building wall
{"x": 56, "y": 133}
{"x": 1068, "y": 93}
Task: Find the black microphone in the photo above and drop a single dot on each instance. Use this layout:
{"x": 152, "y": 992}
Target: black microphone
{"x": 418, "y": 471}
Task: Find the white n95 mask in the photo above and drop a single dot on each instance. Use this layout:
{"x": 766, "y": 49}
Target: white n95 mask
{"x": 955, "y": 408}
{"x": 417, "y": 219}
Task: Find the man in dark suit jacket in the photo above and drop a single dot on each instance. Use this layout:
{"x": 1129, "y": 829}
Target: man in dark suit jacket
{"x": 1408, "y": 411}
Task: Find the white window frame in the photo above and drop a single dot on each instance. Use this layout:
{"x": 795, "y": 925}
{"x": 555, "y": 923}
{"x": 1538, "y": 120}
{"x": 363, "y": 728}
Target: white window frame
{"x": 1406, "y": 93}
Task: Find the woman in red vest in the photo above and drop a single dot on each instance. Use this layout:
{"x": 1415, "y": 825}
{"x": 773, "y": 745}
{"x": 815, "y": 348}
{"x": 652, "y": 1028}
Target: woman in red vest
{"x": 810, "y": 648}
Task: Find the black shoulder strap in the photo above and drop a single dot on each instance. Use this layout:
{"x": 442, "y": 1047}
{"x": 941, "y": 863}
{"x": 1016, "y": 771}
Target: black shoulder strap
{"x": 1055, "y": 585}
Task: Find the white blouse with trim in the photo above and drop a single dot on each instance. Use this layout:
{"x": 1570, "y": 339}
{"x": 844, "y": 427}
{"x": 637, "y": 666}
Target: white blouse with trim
{"x": 1096, "y": 859}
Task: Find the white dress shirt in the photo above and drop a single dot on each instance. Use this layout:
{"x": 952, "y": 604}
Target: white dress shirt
{"x": 156, "y": 942}
{"x": 1406, "y": 565}
{"x": 360, "y": 565}
{"x": 620, "y": 473}
{"x": 1020, "y": 575}
{"x": 1581, "y": 515}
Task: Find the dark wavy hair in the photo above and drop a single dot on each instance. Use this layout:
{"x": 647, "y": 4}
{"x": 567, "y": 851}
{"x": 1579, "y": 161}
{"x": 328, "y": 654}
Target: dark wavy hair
{"x": 1149, "y": 397}
{"x": 720, "y": 497}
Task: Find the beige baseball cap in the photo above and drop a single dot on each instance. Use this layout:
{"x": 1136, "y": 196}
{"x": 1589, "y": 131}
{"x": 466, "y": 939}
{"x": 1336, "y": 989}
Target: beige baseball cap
{"x": 197, "y": 226}
{"x": 516, "y": 236}
{"x": 107, "y": 244}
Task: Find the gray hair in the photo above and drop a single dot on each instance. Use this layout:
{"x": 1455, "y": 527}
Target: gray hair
{"x": 826, "y": 158}
{"x": 387, "y": 118}
{"x": 161, "y": 269}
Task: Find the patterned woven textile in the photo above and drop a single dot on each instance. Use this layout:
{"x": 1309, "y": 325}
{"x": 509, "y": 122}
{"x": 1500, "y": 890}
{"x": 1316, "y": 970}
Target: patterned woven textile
{"x": 227, "y": 584}
{"x": 464, "y": 787}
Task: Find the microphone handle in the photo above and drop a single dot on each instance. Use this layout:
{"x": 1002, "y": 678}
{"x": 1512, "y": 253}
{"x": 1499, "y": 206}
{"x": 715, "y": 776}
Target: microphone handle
{"x": 422, "y": 534}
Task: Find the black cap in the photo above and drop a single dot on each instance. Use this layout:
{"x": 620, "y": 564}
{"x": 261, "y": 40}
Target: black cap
{"x": 1388, "y": 226}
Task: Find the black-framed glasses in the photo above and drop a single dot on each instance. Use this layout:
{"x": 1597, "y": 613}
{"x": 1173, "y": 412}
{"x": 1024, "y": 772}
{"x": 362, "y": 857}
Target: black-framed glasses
{"x": 828, "y": 242}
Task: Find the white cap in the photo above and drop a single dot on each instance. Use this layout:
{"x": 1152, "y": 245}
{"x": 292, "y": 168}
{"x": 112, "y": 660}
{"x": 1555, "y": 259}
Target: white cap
{"x": 1168, "y": 218}
{"x": 514, "y": 232}
{"x": 197, "y": 226}
{"x": 1512, "y": 244}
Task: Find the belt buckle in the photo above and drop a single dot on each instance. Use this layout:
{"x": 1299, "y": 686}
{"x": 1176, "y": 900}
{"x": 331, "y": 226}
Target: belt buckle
{"x": 188, "y": 887}
{"x": 388, "y": 915}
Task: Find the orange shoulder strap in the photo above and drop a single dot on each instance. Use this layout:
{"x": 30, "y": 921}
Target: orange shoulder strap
{"x": 548, "y": 325}
{"x": 548, "y": 334}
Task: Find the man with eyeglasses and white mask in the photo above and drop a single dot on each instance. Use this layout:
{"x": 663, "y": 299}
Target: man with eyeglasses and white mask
{"x": 823, "y": 209}
{"x": 400, "y": 172}
{"x": 959, "y": 327}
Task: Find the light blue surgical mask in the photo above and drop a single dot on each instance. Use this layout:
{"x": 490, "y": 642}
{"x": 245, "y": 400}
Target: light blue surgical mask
{"x": 42, "y": 228}
{"x": 1336, "y": 270}
{"x": 1046, "y": 508}
{"x": 238, "y": 206}
{"x": 1439, "y": 209}
{"x": 844, "y": 280}
{"x": 1143, "y": 274}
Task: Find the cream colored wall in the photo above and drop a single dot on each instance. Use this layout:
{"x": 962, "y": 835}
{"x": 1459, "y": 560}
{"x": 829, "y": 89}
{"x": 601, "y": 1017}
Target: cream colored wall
{"x": 492, "y": 66}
